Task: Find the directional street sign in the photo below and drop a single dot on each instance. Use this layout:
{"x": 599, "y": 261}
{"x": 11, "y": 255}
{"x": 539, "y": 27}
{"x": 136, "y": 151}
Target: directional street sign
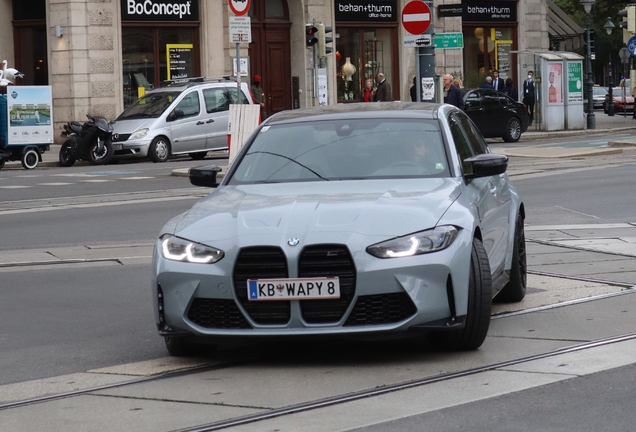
{"x": 416, "y": 17}
{"x": 449, "y": 40}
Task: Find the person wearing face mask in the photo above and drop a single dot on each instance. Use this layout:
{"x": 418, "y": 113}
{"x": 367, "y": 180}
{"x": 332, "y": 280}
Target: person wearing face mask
{"x": 529, "y": 95}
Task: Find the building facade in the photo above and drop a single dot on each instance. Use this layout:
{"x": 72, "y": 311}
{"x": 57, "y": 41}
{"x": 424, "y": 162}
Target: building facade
{"x": 101, "y": 55}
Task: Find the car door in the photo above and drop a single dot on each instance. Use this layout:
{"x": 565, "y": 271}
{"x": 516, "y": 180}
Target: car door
{"x": 490, "y": 195}
{"x": 495, "y": 114}
{"x": 187, "y": 124}
{"x": 474, "y": 109}
{"x": 217, "y": 104}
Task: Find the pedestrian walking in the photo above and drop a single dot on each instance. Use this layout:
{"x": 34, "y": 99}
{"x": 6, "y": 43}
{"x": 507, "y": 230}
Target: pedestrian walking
{"x": 529, "y": 94}
{"x": 383, "y": 92}
{"x": 510, "y": 90}
{"x": 488, "y": 83}
{"x": 452, "y": 95}
{"x": 368, "y": 92}
{"x": 497, "y": 82}
{"x": 413, "y": 90}
{"x": 258, "y": 95}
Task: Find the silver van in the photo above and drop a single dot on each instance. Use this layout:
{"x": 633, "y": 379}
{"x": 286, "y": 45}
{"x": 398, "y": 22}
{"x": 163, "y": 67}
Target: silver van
{"x": 180, "y": 118}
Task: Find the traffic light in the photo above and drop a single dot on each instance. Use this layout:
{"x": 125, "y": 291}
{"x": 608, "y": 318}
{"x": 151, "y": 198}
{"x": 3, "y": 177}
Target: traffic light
{"x": 311, "y": 35}
{"x": 323, "y": 49}
{"x": 629, "y": 21}
{"x": 592, "y": 44}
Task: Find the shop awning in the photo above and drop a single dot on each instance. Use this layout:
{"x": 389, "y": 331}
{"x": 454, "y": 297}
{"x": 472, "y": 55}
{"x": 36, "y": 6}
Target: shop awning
{"x": 561, "y": 25}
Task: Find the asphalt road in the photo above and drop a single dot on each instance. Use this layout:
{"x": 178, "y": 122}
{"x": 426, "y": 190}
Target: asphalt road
{"x": 70, "y": 318}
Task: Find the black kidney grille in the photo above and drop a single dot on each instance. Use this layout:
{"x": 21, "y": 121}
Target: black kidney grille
{"x": 328, "y": 260}
{"x": 381, "y": 309}
{"x": 261, "y": 262}
{"x": 217, "y": 313}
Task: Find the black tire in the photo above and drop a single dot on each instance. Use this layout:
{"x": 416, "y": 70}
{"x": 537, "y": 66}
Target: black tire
{"x": 513, "y": 130}
{"x": 1, "y": 163}
{"x": 65, "y": 157}
{"x": 182, "y": 347}
{"x": 159, "y": 150}
{"x": 96, "y": 157}
{"x": 30, "y": 158}
{"x": 479, "y": 307}
{"x": 198, "y": 155}
{"x": 515, "y": 289}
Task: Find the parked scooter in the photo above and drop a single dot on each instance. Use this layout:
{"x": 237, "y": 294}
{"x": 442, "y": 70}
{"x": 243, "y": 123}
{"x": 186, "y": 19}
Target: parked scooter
{"x": 89, "y": 142}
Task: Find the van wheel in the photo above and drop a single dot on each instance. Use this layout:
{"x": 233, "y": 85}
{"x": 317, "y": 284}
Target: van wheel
{"x": 30, "y": 159}
{"x": 159, "y": 150}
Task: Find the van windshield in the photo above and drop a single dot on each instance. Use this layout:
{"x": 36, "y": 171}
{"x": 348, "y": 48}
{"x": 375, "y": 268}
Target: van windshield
{"x": 151, "y": 105}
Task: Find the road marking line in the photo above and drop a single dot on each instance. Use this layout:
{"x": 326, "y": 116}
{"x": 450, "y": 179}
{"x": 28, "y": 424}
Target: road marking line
{"x": 15, "y": 187}
{"x": 55, "y": 184}
{"x": 134, "y": 178}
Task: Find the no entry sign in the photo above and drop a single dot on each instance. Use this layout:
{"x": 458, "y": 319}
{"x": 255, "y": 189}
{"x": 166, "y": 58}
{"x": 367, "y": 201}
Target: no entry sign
{"x": 416, "y": 17}
{"x": 240, "y": 7}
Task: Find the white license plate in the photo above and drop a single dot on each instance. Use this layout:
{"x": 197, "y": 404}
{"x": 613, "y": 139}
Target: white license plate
{"x": 293, "y": 289}
{"x": 118, "y": 146}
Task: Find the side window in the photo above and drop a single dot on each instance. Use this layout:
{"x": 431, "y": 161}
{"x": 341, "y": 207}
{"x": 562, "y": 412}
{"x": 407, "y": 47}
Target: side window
{"x": 490, "y": 99}
{"x": 236, "y": 96}
{"x": 473, "y": 100}
{"x": 215, "y": 100}
{"x": 462, "y": 143}
{"x": 189, "y": 105}
{"x": 474, "y": 137}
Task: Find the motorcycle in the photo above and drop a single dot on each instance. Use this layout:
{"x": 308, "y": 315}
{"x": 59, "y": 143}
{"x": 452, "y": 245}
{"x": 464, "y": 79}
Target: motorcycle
{"x": 90, "y": 142}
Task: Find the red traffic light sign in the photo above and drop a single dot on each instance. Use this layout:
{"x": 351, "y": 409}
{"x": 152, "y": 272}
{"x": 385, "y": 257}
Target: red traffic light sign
{"x": 240, "y": 7}
{"x": 416, "y": 17}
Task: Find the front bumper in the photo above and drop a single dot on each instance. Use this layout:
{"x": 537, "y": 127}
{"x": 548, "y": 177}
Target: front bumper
{"x": 423, "y": 292}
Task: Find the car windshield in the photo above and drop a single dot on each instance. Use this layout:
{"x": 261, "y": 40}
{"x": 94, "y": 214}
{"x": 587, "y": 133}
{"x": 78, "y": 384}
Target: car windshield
{"x": 600, "y": 91}
{"x": 151, "y": 105}
{"x": 344, "y": 150}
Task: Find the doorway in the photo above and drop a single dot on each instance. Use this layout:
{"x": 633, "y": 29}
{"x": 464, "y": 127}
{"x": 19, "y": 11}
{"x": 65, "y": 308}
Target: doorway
{"x": 270, "y": 53}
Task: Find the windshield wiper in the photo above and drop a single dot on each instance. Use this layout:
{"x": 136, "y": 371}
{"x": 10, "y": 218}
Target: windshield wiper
{"x": 291, "y": 160}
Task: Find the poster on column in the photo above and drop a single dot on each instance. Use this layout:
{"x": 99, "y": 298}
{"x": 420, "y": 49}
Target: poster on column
{"x": 29, "y": 115}
{"x": 555, "y": 78}
{"x": 180, "y": 62}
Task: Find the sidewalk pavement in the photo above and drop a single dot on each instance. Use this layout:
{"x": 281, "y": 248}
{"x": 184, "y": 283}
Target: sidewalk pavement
{"x": 604, "y": 124}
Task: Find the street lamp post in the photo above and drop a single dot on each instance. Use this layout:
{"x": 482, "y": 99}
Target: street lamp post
{"x": 591, "y": 119}
{"x": 609, "y": 26}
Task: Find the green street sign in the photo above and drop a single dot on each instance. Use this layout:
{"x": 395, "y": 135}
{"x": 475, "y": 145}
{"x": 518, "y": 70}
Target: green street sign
{"x": 449, "y": 40}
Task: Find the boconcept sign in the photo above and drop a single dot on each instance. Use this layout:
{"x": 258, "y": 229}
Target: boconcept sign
{"x": 160, "y": 10}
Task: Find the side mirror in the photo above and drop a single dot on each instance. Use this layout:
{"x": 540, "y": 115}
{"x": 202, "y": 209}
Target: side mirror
{"x": 204, "y": 176}
{"x": 176, "y": 114}
{"x": 486, "y": 165}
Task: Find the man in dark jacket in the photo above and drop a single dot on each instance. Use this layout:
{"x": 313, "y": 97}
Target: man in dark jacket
{"x": 528, "y": 94}
{"x": 383, "y": 92}
{"x": 497, "y": 82}
{"x": 452, "y": 95}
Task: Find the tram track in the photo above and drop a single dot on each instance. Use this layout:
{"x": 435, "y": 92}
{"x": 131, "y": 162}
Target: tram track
{"x": 342, "y": 398}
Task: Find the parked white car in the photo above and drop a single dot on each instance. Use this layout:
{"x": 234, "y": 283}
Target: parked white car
{"x": 185, "y": 118}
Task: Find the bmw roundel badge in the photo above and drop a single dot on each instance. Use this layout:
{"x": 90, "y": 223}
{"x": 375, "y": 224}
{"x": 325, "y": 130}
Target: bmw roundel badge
{"x": 293, "y": 241}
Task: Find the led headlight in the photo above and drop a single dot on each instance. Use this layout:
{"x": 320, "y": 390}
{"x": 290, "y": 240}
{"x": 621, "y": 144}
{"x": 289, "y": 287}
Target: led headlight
{"x": 178, "y": 249}
{"x": 139, "y": 134}
{"x": 432, "y": 240}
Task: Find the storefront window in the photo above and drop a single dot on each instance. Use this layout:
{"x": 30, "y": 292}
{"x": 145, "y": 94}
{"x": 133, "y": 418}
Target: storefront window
{"x": 361, "y": 54}
{"x": 487, "y": 49}
{"x": 145, "y": 58}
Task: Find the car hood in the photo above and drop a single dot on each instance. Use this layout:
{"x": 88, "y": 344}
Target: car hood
{"x": 250, "y": 214}
{"x": 130, "y": 126}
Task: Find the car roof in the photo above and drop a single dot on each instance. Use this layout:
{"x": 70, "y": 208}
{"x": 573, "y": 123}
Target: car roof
{"x": 181, "y": 85}
{"x": 359, "y": 111}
